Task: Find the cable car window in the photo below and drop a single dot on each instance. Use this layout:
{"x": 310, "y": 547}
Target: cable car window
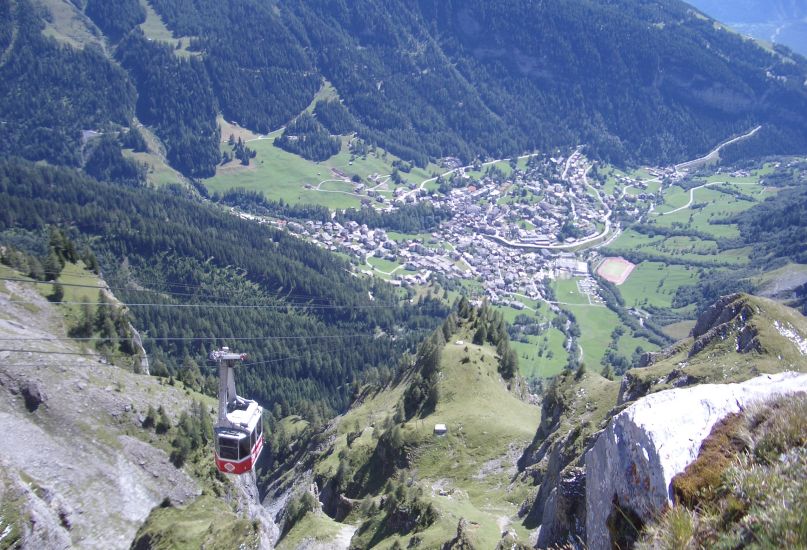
{"x": 260, "y": 427}
{"x": 228, "y": 448}
{"x": 243, "y": 447}
{"x": 253, "y": 438}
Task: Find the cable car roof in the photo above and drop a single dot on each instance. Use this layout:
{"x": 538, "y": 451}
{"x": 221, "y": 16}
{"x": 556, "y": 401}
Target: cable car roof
{"x": 248, "y": 417}
{"x": 232, "y": 432}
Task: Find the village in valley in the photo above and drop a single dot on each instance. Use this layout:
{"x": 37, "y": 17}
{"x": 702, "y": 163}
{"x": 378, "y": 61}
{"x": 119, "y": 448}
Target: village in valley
{"x": 586, "y": 262}
{"x": 511, "y": 232}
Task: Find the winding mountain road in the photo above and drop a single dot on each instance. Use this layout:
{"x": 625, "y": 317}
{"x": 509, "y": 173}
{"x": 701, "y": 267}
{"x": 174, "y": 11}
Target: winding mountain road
{"x": 714, "y": 153}
{"x": 692, "y": 193}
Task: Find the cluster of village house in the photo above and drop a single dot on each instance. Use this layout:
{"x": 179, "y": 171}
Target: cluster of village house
{"x": 530, "y": 207}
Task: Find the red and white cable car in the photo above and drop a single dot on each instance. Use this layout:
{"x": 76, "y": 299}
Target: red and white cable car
{"x": 239, "y": 430}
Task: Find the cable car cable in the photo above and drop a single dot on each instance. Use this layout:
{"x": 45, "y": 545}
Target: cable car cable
{"x": 196, "y": 338}
{"x": 306, "y": 297}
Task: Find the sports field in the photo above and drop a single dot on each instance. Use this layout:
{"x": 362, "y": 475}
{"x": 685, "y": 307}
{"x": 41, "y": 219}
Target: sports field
{"x": 615, "y": 270}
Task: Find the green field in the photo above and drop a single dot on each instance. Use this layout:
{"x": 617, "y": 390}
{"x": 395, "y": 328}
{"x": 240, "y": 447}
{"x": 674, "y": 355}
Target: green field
{"x": 674, "y": 197}
{"x": 654, "y": 284}
{"x": 683, "y": 248}
{"x": 279, "y": 174}
{"x": 383, "y": 265}
{"x": 531, "y": 364}
{"x": 566, "y": 292}
{"x": 632, "y": 240}
{"x": 596, "y": 324}
{"x": 503, "y": 165}
{"x": 711, "y": 206}
{"x": 154, "y": 28}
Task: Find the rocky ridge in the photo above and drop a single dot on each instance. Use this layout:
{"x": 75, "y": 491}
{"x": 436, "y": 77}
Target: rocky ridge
{"x": 632, "y": 463}
{"x": 738, "y": 338}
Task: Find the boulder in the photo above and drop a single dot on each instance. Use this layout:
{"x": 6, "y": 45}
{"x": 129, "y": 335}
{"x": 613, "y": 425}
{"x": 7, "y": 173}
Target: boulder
{"x": 634, "y": 459}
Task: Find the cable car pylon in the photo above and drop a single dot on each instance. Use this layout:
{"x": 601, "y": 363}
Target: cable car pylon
{"x": 238, "y": 430}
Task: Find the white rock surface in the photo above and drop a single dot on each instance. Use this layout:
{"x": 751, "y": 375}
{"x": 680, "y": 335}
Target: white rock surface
{"x": 657, "y": 437}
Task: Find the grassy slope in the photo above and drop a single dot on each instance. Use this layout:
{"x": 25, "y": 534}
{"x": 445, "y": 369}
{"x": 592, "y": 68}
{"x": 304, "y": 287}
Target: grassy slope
{"x": 204, "y": 523}
{"x": 68, "y": 25}
{"x": 155, "y": 29}
{"x": 475, "y": 462}
{"x": 719, "y": 362}
{"x": 283, "y": 175}
{"x": 734, "y": 498}
{"x": 584, "y": 404}
{"x": 315, "y": 526}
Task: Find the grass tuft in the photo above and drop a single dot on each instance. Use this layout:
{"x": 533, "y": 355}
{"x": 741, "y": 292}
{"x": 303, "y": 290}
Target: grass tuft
{"x": 753, "y": 496}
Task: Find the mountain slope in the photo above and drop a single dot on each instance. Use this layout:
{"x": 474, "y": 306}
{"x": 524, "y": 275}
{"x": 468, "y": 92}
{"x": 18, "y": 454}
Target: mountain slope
{"x": 397, "y": 482}
{"x": 205, "y": 274}
{"x": 80, "y": 466}
{"x": 740, "y": 337}
{"x": 650, "y": 81}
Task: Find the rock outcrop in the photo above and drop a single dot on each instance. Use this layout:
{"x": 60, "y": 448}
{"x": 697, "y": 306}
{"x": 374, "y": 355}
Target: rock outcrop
{"x": 635, "y": 458}
{"x": 248, "y": 504}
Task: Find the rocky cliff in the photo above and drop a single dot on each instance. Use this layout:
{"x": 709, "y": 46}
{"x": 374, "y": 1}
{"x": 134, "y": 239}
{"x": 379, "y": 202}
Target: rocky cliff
{"x": 738, "y": 338}
{"x": 630, "y": 467}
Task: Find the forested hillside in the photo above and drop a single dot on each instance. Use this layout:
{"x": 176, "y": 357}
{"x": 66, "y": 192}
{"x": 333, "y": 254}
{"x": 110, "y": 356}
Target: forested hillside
{"x": 50, "y": 92}
{"x": 205, "y": 278}
{"x": 176, "y": 98}
{"x": 650, "y": 81}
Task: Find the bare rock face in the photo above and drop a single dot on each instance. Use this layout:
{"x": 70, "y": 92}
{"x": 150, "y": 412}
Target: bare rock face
{"x": 248, "y": 504}
{"x": 635, "y": 458}
{"x": 729, "y": 315}
{"x": 70, "y": 460}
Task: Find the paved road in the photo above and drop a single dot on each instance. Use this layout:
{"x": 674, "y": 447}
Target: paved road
{"x": 716, "y": 151}
{"x": 692, "y": 194}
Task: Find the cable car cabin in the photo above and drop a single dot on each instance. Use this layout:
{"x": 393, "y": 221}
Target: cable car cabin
{"x": 239, "y": 439}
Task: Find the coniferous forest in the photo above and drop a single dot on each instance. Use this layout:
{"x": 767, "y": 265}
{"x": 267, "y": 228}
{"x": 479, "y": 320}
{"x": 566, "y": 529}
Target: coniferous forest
{"x": 309, "y": 326}
{"x": 639, "y": 82}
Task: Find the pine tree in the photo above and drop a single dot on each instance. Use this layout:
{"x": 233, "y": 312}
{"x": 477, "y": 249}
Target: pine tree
{"x": 151, "y": 418}
{"x": 480, "y": 335}
{"x": 163, "y": 422}
{"x": 57, "y": 294}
